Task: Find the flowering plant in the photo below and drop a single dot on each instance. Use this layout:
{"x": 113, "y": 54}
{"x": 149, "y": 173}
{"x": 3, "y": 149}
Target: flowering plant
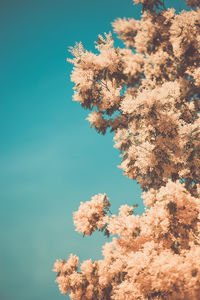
{"x": 148, "y": 94}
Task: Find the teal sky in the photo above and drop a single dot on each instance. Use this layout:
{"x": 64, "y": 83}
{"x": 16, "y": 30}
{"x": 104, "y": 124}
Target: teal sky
{"x": 50, "y": 158}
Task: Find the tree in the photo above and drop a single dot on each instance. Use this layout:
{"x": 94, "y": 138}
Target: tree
{"x": 148, "y": 94}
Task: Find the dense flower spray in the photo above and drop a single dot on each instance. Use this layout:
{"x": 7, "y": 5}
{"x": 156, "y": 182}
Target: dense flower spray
{"x": 148, "y": 94}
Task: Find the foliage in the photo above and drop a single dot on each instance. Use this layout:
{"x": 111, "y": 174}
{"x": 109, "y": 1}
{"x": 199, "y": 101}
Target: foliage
{"x": 148, "y": 94}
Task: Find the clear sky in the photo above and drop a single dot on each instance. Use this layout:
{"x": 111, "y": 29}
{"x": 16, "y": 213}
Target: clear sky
{"x": 50, "y": 157}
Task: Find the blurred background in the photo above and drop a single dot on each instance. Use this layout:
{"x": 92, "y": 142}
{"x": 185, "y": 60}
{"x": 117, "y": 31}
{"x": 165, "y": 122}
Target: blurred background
{"x": 50, "y": 157}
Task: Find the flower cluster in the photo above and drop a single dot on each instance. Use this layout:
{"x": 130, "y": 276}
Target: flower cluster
{"x": 92, "y": 214}
{"x": 148, "y": 94}
{"x": 156, "y": 253}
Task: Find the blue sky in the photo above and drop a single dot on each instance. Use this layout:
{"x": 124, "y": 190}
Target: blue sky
{"x": 50, "y": 157}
